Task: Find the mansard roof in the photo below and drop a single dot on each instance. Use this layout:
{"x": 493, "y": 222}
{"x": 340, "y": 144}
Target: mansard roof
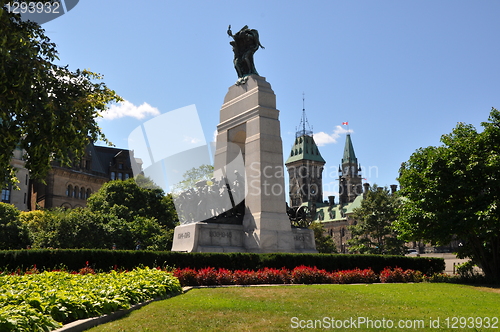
{"x": 305, "y": 148}
{"x": 336, "y": 213}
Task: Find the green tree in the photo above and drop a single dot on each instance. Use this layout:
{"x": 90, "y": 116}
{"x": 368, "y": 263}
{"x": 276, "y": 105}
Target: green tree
{"x": 324, "y": 242}
{"x": 13, "y": 235}
{"x": 68, "y": 229}
{"x": 453, "y": 190}
{"x": 374, "y": 232}
{"x": 193, "y": 176}
{"x": 42, "y": 228}
{"x": 127, "y": 200}
{"x": 82, "y": 228}
{"x": 138, "y": 206}
{"x": 48, "y": 110}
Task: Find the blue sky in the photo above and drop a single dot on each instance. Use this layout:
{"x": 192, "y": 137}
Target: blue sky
{"x": 402, "y": 73}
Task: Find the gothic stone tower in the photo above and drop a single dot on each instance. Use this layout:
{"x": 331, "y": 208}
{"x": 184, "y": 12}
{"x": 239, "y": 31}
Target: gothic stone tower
{"x": 305, "y": 169}
{"x": 350, "y": 185}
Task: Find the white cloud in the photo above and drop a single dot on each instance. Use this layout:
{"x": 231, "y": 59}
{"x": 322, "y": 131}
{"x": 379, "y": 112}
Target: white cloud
{"x": 126, "y": 108}
{"x": 323, "y": 138}
{"x": 192, "y": 140}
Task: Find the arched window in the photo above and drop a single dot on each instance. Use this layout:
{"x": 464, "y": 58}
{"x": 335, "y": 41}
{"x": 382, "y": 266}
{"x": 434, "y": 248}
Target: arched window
{"x": 89, "y": 192}
{"x": 82, "y": 193}
{"x": 75, "y": 192}
{"x": 69, "y": 190}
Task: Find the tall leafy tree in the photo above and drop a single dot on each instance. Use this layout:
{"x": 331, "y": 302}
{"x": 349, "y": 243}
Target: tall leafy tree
{"x": 453, "y": 191}
{"x": 374, "y": 232}
{"x": 194, "y": 175}
{"x": 68, "y": 229}
{"x": 46, "y": 109}
{"x": 127, "y": 200}
{"x": 324, "y": 242}
{"x": 13, "y": 234}
{"x": 145, "y": 211}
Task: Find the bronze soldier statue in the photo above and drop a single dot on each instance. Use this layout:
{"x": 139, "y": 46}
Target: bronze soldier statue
{"x": 245, "y": 43}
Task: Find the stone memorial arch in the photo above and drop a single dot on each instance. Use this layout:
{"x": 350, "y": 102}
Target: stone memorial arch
{"x": 249, "y": 130}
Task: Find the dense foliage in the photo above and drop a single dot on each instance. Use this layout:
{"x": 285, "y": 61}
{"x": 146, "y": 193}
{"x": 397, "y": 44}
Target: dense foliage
{"x": 41, "y": 301}
{"x": 324, "y": 242}
{"x": 128, "y": 201}
{"x": 107, "y": 259}
{"x": 374, "y": 232}
{"x": 193, "y": 176}
{"x": 120, "y": 215}
{"x": 45, "y": 109}
{"x": 13, "y": 234}
{"x": 143, "y": 212}
{"x": 452, "y": 192}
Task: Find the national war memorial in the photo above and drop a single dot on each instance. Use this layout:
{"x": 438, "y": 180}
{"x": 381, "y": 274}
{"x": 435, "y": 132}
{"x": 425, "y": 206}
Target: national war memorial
{"x": 243, "y": 209}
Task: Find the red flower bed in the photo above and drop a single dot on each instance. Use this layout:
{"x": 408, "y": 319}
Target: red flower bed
{"x": 207, "y": 276}
{"x": 299, "y": 275}
{"x": 274, "y": 276}
{"x": 245, "y": 277}
{"x": 399, "y": 275}
{"x": 309, "y": 275}
{"x": 356, "y": 276}
{"x": 186, "y": 276}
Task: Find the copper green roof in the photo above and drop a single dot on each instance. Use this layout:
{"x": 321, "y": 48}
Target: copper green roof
{"x": 337, "y": 212}
{"x": 305, "y": 148}
{"x": 349, "y": 155}
{"x": 325, "y": 213}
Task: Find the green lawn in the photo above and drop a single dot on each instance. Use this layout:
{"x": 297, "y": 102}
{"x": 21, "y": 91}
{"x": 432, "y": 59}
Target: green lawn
{"x": 288, "y": 308}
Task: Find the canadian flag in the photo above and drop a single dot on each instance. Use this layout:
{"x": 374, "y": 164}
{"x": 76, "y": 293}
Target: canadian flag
{"x": 345, "y": 123}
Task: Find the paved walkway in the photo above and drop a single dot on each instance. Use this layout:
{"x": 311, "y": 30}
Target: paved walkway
{"x": 449, "y": 260}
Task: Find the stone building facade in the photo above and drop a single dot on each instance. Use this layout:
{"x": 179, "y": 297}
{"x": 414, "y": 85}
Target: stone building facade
{"x": 18, "y": 197}
{"x": 69, "y": 187}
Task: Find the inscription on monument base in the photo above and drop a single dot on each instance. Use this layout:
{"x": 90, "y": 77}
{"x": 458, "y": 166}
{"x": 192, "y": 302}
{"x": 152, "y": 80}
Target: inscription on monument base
{"x": 304, "y": 240}
{"x": 209, "y": 237}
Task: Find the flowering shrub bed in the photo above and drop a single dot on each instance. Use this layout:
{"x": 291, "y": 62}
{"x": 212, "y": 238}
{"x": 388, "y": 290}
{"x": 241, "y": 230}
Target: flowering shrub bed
{"x": 399, "y": 275}
{"x": 42, "y": 301}
{"x": 299, "y": 275}
{"x": 356, "y": 276}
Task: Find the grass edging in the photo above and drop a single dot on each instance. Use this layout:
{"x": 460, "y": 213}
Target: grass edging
{"x": 87, "y": 323}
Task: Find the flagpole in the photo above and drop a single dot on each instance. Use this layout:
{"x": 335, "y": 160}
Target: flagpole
{"x": 346, "y": 124}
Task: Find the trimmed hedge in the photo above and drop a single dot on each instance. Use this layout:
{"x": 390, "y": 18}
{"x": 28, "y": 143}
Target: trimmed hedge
{"x": 105, "y": 260}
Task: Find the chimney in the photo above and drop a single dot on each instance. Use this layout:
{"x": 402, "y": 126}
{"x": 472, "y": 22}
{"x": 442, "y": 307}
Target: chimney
{"x": 366, "y": 186}
{"x": 331, "y": 200}
{"x": 394, "y": 188}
